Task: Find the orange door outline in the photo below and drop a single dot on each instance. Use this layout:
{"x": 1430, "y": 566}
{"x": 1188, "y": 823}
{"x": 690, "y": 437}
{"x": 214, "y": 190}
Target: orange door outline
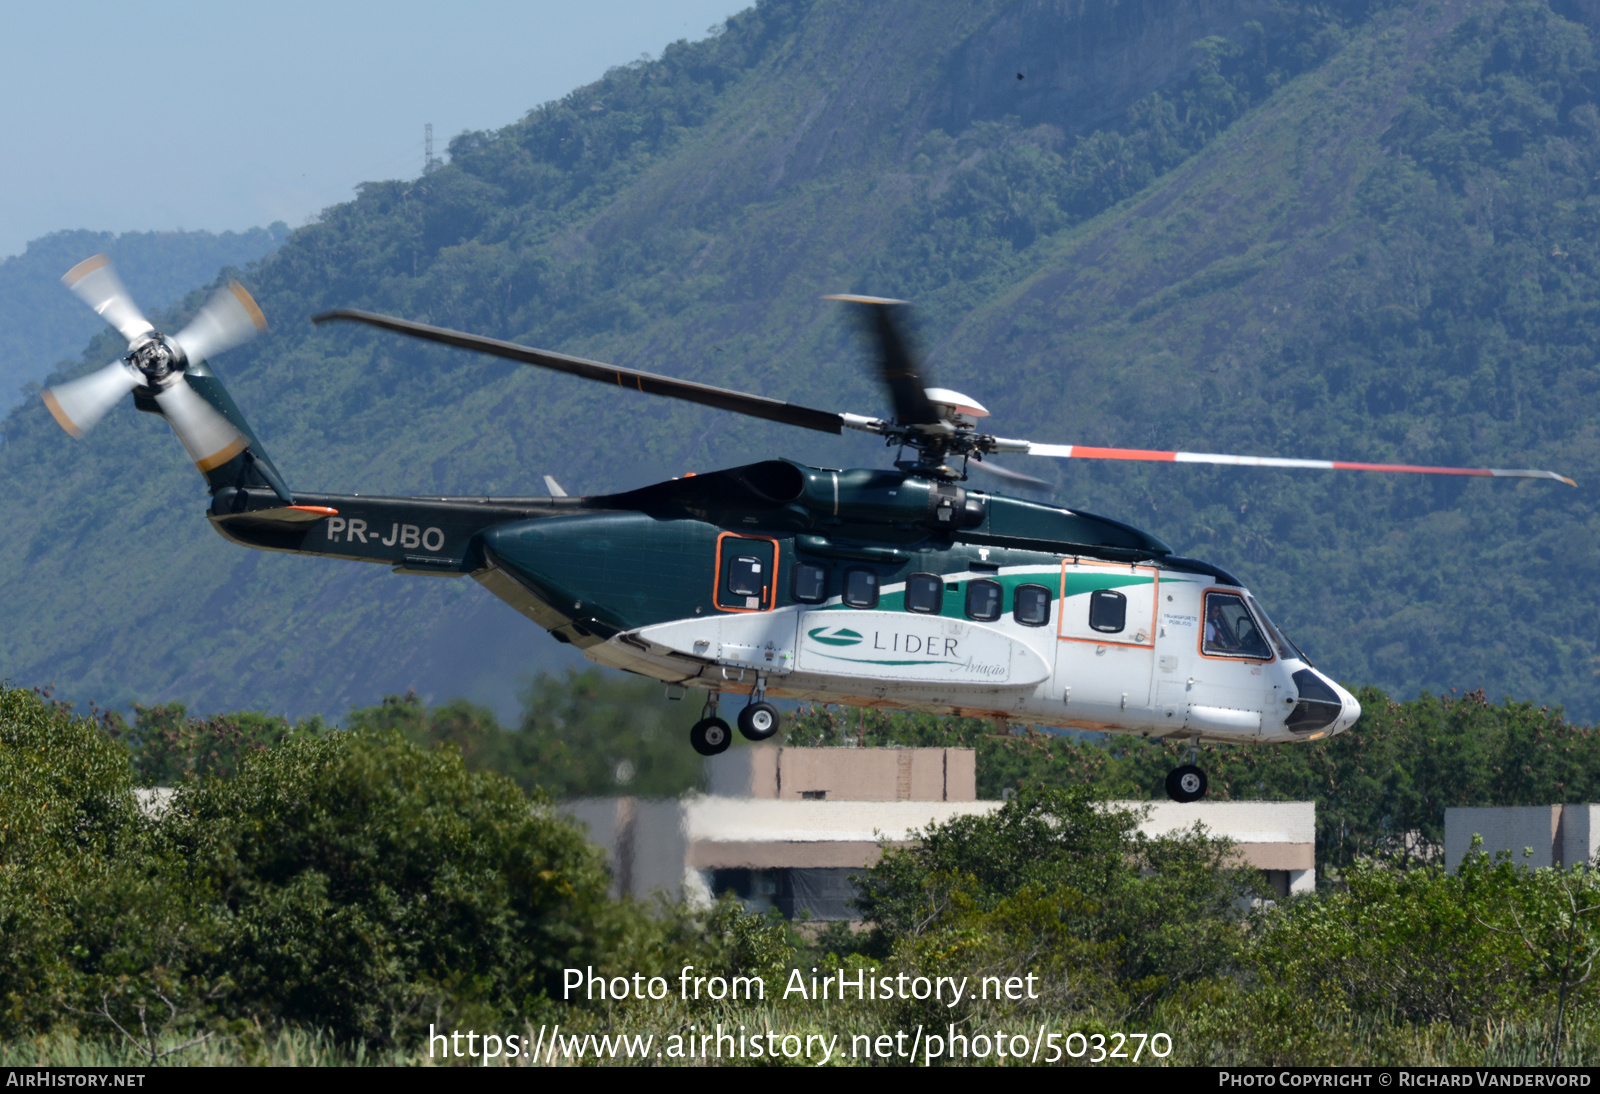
{"x": 1155, "y": 604}
{"x": 769, "y": 594}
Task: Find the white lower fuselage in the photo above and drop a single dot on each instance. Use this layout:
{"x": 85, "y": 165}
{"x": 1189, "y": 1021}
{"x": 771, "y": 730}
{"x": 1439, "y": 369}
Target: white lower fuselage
{"x": 1141, "y": 659}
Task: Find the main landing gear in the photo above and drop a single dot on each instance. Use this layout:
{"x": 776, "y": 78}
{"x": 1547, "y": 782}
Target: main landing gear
{"x": 710, "y": 736}
{"x": 757, "y": 721}
{"x": 1187, "y": 783}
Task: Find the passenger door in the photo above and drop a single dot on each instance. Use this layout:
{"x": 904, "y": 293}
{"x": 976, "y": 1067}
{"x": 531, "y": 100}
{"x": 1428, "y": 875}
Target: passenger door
{"x": 1106, "y": 637}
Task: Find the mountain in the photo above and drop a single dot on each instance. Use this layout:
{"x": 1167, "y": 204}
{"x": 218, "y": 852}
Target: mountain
{"x": 1355, "y": 231}
{"x": 45, "y": 326}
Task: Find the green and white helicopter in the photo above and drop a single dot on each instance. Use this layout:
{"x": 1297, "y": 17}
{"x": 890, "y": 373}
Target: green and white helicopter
{"x": 899, "y": 588}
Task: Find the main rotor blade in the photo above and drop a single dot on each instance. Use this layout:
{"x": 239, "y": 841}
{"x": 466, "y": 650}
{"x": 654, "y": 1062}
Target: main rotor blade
{"x": 755, "y": 406}
{"x": 1084, "y": 452}
{"x": 895, "y": 367}
{"x": 78, "y": 405}
{"x": 210, "y": 439}
{"x": 1016, "y": 478}
{"x": 95, "y": 283}
{"x": 229, "y": 317}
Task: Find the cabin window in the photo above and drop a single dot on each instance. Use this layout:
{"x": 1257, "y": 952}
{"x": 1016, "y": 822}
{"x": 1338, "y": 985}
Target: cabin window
{"x": 1108, "y": 611}
{"x": 745, "y": 577}
{"x": 861, "y": 588}
{"x": 810, "y": 583}
{"x": 983, "y": 599}
{"x": 924, "y": 593}
{"x": 747, "y": 573}
{"x": 1230, "y": 629}
{"x": 1031, "y": 606}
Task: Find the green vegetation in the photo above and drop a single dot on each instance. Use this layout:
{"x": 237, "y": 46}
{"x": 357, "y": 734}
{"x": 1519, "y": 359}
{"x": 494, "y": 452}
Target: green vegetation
{"x": 325, "y": 897}
{"x": 582, "y": 734}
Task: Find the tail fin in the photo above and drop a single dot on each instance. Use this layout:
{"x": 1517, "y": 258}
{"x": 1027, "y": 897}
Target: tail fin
{"x": 250, "y": 466}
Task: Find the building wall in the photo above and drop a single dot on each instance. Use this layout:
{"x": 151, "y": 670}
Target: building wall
{"x": 1553, "y": 835}
{"x": 1580, "y": 834}
{"x": 845, "y": 774}
{"x": 1517, "y": 829}
{"x": 682, "y": 847}
{"x": 645, "y": 841}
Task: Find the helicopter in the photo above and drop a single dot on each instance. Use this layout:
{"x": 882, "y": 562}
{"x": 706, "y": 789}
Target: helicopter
{"x": 905, "y": 588}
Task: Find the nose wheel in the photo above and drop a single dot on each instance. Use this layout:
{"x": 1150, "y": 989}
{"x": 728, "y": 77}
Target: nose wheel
{"x": 1186, "y": 784}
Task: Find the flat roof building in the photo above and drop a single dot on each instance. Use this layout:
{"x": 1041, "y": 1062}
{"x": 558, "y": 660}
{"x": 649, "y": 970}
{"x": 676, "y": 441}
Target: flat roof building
{"x": 786, "y": 827}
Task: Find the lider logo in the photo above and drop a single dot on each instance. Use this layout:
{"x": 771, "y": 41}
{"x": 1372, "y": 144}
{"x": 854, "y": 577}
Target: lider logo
{"x": 835, "y": 636}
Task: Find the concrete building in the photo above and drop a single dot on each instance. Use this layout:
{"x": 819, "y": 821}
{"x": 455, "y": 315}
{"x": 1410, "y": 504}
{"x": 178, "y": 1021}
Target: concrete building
{"x": 788, "y": 826}
{"x": 1555, "y": 835}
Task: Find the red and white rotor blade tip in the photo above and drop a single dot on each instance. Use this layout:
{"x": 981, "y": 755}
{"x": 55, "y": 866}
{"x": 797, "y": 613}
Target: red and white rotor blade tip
{"x": 78, "y": 405}
{"x": 1085, "y": 452}
{"x": 229, "y": 317}
{"x": 208, "y": 437}
{"x": 96, "y": 283}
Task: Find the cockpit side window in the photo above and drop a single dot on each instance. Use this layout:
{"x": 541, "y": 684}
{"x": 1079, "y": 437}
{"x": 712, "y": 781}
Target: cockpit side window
{"x": 1230, "y": 629}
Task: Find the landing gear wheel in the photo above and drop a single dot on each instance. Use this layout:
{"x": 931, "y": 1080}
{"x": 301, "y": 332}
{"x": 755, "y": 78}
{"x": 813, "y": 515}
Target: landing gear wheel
{"x": 758, "y": 721}
{"x": 710, "y": 736}
{"x": 1186, "y": 784}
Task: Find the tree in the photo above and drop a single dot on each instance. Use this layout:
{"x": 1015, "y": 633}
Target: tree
{"x": 364, "y": 882}
{"x": 1057, "y": 884}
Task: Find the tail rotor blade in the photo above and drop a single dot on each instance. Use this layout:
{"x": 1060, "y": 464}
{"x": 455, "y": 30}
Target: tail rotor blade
{"x": 78, "y": 405}
{"x": 209, "y": 438}
{"x": 229, "y": 317}
{"x": 96, "y": 283}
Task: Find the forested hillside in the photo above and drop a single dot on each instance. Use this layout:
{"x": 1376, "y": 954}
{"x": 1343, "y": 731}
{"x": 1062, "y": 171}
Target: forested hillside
{"x": 45, "y": 326}
{"x": 1348, "y": 230}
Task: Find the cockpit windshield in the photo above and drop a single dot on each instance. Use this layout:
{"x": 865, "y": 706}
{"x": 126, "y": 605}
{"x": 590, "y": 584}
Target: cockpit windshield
{"x": 1287, "y": 650}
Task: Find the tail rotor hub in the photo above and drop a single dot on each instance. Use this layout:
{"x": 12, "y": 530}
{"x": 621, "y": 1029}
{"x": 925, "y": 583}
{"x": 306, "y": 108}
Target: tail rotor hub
{"x": 158, "y": 359}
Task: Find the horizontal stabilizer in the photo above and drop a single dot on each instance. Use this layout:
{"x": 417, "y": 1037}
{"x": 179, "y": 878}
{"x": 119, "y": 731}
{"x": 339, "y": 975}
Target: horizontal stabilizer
{"x": 287, "y": 514}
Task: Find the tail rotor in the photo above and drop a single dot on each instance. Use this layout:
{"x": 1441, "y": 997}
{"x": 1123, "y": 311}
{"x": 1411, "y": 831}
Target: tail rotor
{"x": 158, "y": 363}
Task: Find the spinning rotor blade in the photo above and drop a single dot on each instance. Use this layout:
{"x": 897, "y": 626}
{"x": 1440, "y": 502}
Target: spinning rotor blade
{"x": 229, "y": 317}
{"x": 1016, "y": 478}
{"x": 78, "y": 405}
{"x": 1084, "y": 452}
{"x": 97, "y": 285}
{"x": 755, "y": 406}
{"x": 209, "y": 438}
{"x": 895, "y": 367}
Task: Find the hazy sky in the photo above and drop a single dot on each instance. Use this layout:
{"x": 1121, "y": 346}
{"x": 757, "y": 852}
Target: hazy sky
{"x": 172, "y": 114}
